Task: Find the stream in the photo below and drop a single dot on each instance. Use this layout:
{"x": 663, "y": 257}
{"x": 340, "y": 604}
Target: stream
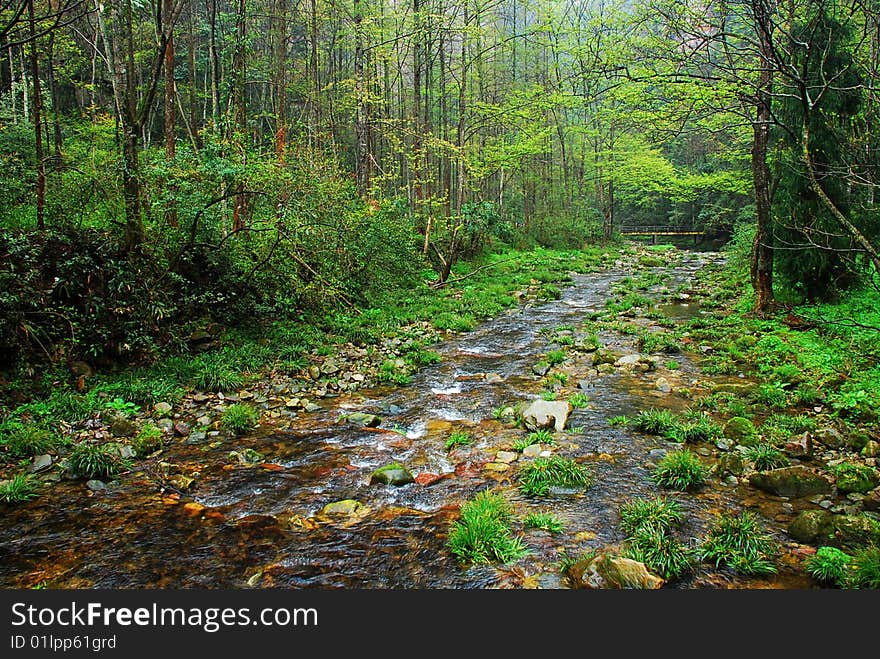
{"x": 242, "y": 526}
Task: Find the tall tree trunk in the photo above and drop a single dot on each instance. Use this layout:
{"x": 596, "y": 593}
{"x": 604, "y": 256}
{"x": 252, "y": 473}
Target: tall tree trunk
{"x": 214, "y": 56}
{"x": 280, "y": 97}
{"x": 240, "y": 213}
{"x": 762, "y": 247}
{"x": 37, "y": 116}
{"x": 170, "y": 110}
{"x": 362, "y": 155}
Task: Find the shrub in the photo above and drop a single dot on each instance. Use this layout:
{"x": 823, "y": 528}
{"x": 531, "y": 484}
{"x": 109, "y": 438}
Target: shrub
{"x": 239, "y": 418}
{"x": 458, "y": 438}
{"x": 483, "y": 534}
{"x": 19, "y": 488}
{"x": 27, "y": 441}
{"x": 147, "y": 441}
{"x": 740, "y": 543}
{"x": 555, "y": 357}
{"x": 88, "y": 460}
{"x": 680, "y": 470}
{"x": 537, "y": 477}
{"x": 830, "y": 565}
{"x": 544, "y": 521}
{"x": 216, "y": 374}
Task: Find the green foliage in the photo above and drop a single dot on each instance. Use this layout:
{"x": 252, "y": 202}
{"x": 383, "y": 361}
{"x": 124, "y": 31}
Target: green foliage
{"x": 665, "y": 342}
{"x": 390, "y": 372}
{"x": 88, "y": 460}
{"x": 18, "y": 489}
{"x": 239, "y": 418}
{"x": 458, "y": 438}
{"x": 148, "y": 440}
{"x": 122, "y": 407}
{"x": 216, "y": 372}
{"x": 658, "y": 512}
{"x": 579, "y": 400}
{"x": 28, "y": 441}
{"x": 483, "y": 533}
{"x": 537, "y": 477}
{"x": 654, "y": 421}
{"x": 544, "y": 521}
{"x": 740, "y": 543}
{"x": 766, "y": 456}
{"x": 672, "y": 365}
{"x": 542, "y": 436}
{"x": 548, "y": 395}
{"x": 866, "y": 568}
{"x": 555, "y": 357}
{"x": 680, "y": 470}
{"x": 659, "y": 551}
{"x": 830, "y": 565}
{"x": 619, "y": 420}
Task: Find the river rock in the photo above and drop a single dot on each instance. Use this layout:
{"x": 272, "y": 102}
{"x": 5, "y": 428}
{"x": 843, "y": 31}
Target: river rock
{"x": 541, "y": 414}
{"x": 662, "y": 385}
{"x": 800, "y": 446}
{"x": 608, "y": 571}
{"x": 797, "y": 481}
{"x": 871, "y": 449}
{"x": 246, "y": 456}
{"x": 603, "y": 356}
{"x": 872, "y": 500}
{"x": 811, "y": 526}
{"x": 506, "y": 456}
{"x": 628, "y": 361}
{"x": 162, "y": 408}
{"x": 730, "y": 464}
{"x": 392, "y": 474}
{"x": 829, "y": 437}
{"x": 122, "y": 427}
{"x": 96, "y": 486}
{"x": 40, "y": 463}
{"x": 532, "y": 451}
{"x": 346, "y": 507}
{"x": 196, "y": 438}
{"x": 541, "y": 368}
{"x": 363, "y": 419}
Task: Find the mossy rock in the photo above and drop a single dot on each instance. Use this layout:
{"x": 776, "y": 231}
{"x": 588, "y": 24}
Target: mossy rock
{"x": 363, "y": 419}
{"x": 862, "y": 480}
{"x": 730, "y": 463}
{"x": 346, "y": 507}
{"x": 797, "y": 481}
{"x": 393, "y": 474}
{"x": 812, "y": 527}
{"x": 742, "y": 431}
{"x": 858, "y": 440}
{"x": 604, "y": 356}
{"x": 855, "y": 531}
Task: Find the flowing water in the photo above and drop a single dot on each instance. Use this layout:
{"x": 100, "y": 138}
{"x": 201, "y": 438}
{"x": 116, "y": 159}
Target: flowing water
{"x": 241, "y": 526}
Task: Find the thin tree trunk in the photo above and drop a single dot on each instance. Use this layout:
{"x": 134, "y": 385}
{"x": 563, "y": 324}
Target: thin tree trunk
{"x": 170, "y": 109}
{"x": 38, "y": 128}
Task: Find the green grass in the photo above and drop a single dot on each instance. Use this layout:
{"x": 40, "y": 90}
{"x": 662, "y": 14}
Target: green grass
{"x": 214, "y": 373}
{"x": 19, "y": 488}
{"x": 555, "y": 357}
{"x": 147, "y": 441}
{"x": 766, "y": 456}
{"x": 458, "y": 438}
{"x": 88, "y": 460}
{"x": 680, "y": 470}
{"x": 651, "y": 342}
{"x": 542, "y": 436}
{"x": 548, "y": 395}
{"x": 866, "y": 568}
{"x": 390, "y": 372}
{"x": 672, "y": 365}
{"x": 537, "y": 477}
{"x": 239, "y": 418}
{"x": 483, "y": 533}
{"x": 658, "y": 512}
{"x": 28, "y": 441}
{"x": 654, "y": 421}
{"x": 830, "y": 566}
{"x": 661, "y": 553}
{"x": 544, "y": 521}
{"x": 740, "y": 543}
{"x": 579, "y": 400}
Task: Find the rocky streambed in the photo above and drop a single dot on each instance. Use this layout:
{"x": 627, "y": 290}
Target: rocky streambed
{"x": 351, "y": 481}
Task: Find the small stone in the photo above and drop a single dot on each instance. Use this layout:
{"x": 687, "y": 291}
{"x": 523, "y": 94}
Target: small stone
{"x": 492, "y": 378}
{"x": 532, "y": 451}
{"x": 506, "y": 456}
{"x": 165, "y": 425}
{"x": 392, "y": 474}
{"x": 291, "y": 403}
{"x": 122, "y": 427}
{"x": 246, "y": 395}
{"x": 363, "y": 419}
{"x": 662, "y": 385}
{"x": 204, "y": 420}
{"x": 40, "y": 463}
{"x": 196, "y": 438}
{"x": 826, "y": 504}
{"x": 657, "y": 453}
{"x": 314, "y": 372}
{"x": 182, "y": 429}
{"x": 345, "y": 507}
{"x": 705, "y": 452}
{"x": 541, "y": 368}
{"x": 731, "y": 480}
{"x": 126, "y": 452}
{"x": 162, "y": 408}
{"x": 96, "y": 485}
{"x": 496, "y": 466}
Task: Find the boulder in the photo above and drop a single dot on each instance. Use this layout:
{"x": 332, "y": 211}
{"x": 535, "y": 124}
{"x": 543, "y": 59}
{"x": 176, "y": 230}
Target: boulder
{"x": 608, "y": 571}
{"x": 812, "y": 527}
{"x": 392, "y": 474}
{"x": 797, "y": 481}
{"x": 541, "y": 414}
{"x": 122, "y": 427}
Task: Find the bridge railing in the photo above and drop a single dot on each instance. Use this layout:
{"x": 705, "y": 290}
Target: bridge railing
{"x": 670, "y": 229}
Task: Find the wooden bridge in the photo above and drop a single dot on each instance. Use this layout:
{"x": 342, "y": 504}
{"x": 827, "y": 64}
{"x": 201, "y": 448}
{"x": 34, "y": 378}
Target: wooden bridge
{"x": 662, "y": 230}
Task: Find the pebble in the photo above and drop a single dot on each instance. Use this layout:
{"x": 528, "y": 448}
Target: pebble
{"x": 826, "y": 504}
{"x": 96, "y": 485}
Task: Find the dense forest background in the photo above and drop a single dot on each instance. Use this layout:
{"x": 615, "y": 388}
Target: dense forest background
{"x": 173, "y": 162}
